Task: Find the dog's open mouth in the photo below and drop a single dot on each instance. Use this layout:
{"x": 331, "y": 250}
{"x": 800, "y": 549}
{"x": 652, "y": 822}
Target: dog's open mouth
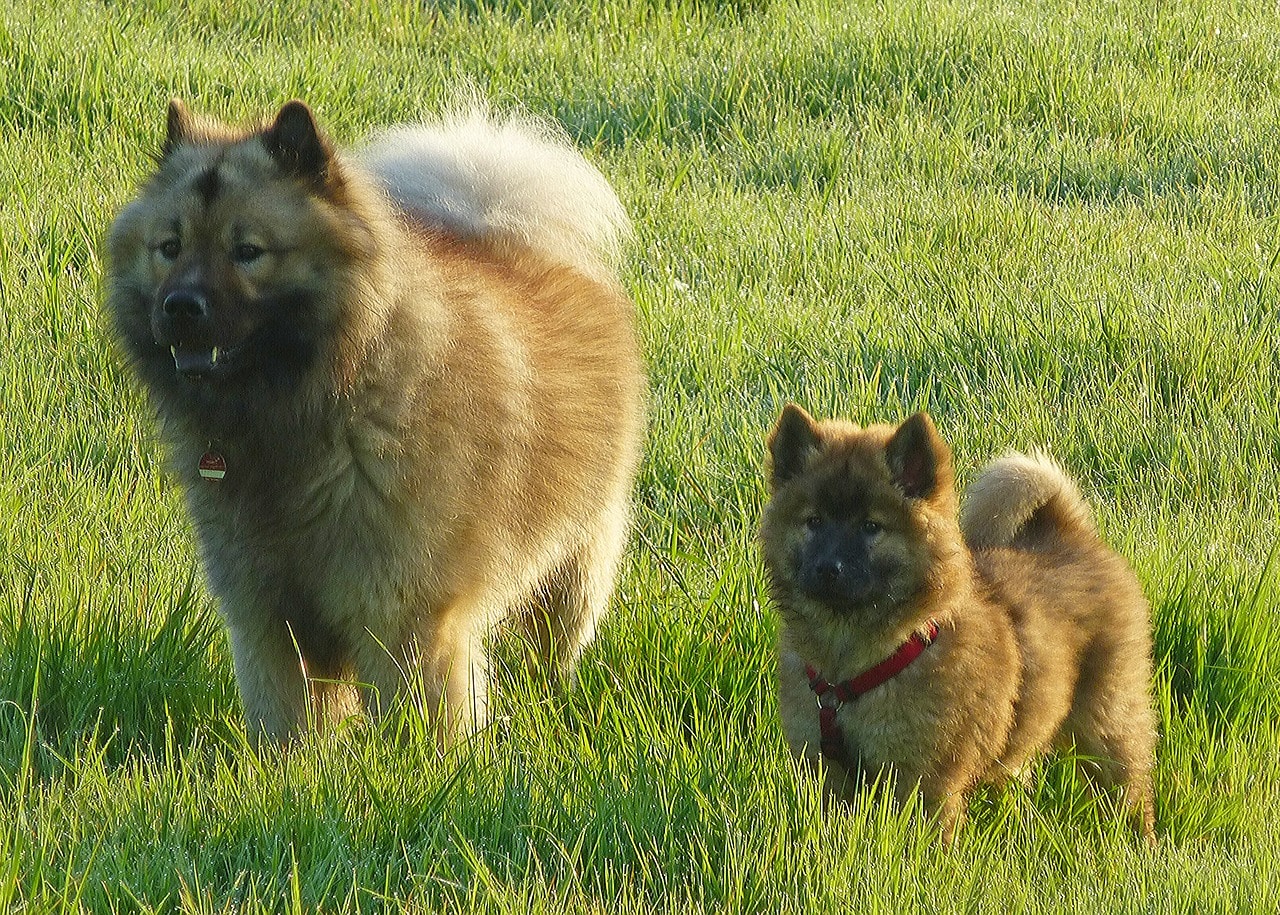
{"x": 201, "y": 362}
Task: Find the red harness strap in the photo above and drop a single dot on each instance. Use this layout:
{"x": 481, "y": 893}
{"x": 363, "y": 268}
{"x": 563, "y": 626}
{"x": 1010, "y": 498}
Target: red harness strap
{"x": 833, "y": 695}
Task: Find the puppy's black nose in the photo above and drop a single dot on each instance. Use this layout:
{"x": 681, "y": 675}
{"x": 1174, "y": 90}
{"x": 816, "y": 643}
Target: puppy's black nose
{"x": 830, "y": 571}
{"x": 186, "y": 304}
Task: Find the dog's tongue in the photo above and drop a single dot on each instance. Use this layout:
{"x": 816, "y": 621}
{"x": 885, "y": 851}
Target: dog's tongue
{"x": 194, "y": 361}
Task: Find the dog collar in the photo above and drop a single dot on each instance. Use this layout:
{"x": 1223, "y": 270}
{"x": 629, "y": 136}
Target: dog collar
{"x": 831, "y": 696}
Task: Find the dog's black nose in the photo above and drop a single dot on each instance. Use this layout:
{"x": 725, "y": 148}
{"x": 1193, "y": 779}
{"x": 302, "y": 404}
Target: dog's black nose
{"x": 839, "y": 580}
{"x": 830, "y": 571}
{"x": 188, "y": 304}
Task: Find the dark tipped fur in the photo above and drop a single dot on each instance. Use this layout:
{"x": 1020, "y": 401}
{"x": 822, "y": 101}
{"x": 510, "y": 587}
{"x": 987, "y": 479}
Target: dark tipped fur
{"x": 179, "y": 126}
{"x": 295, "y": 142}
{"x": 791, "y": 443}
{"x": 916, "y": 455}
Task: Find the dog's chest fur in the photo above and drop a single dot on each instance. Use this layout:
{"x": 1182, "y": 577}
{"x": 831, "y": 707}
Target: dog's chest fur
{"x": 319, "y": 533}
{"x": 893, "y": 721}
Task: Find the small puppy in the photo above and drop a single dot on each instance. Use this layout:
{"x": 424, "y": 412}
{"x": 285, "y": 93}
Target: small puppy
{"x": 949, "y": 649}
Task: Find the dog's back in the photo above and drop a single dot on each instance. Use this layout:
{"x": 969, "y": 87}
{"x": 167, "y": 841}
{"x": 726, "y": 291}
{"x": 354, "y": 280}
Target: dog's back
{"x": 1083, "y": 624}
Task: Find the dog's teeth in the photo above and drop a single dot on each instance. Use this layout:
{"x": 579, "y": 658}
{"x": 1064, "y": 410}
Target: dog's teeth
{"x": 213, "y": 357}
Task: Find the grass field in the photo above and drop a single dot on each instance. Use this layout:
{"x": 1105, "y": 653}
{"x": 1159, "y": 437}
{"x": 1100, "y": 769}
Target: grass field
{"x": 1049, "y": 224}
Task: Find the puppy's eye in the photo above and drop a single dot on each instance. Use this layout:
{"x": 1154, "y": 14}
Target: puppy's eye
{"x": 871, "y": 528}
{"x": 246, "y": 253}
{"x": 169, "y": 249}
{"x": 813, "y": 522}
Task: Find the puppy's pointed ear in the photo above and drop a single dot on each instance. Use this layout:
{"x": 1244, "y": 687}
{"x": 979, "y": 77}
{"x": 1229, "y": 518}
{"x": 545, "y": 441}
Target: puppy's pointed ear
{"x": 919, "y": 460}
{"x": 297, "y": 145}
{"x": 794, "y": 441}
{"x": 180, "y": 126}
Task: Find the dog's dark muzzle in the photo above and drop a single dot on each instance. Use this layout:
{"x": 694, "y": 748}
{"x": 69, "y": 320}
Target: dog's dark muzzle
{"x": 835, "y": 568}
{"x": 183, "y": 321}
{"x": 836, "y": 581}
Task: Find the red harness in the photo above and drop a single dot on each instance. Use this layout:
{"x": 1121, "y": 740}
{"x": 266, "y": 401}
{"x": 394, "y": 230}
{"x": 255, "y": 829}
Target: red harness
{"x": 831, "y": 696}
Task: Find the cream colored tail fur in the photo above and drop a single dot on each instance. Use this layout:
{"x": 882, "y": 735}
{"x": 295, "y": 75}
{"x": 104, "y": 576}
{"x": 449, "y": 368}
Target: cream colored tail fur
{"x": 1015, "y": 489}
{"x": 504, "y": 179}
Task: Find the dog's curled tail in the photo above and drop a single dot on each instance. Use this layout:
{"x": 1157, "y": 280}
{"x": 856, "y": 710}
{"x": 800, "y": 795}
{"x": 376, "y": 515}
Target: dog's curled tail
{"x": 506, "y": 180}
{"x": 1024, "y": 501}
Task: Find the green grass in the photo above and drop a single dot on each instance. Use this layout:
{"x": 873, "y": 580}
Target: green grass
{"x": 1049, "y": 224}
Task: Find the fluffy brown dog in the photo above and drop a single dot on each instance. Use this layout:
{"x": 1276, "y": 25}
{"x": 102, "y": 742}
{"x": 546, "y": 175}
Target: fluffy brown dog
{"x": 949, "y": 660}
{"x": 401, "y": 390}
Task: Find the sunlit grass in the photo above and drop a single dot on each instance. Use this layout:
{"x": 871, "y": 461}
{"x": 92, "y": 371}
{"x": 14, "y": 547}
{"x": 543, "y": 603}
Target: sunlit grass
{"x": 1049, "y": 226}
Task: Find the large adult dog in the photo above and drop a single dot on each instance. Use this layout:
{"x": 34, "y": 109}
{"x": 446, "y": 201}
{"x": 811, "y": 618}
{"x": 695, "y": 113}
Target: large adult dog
{"x": 401, "y": 390}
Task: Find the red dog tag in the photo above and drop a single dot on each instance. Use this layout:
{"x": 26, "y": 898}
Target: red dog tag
{"x": 213, "y": 467}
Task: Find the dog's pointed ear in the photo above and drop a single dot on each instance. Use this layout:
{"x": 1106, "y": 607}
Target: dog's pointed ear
{"x": 179, "y": 129}
{"x": 794, "y": 441}
{"x": 297, "y": 145}
{"x": 919, "y": 460}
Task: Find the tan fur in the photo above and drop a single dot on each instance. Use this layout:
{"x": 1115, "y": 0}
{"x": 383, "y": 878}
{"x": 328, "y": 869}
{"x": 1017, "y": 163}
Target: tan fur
{"x": 455, "y": 445}
{"x": 1044, "y": 638}
{"x": 1001, "y": 502}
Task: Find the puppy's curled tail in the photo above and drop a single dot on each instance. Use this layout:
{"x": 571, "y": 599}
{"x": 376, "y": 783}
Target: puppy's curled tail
{"x": 508, "y": 180}
{"x": 1025, "y": 501}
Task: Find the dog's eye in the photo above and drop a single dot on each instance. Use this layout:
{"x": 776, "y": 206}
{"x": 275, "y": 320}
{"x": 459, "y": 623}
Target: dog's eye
{"x": 871, "y": 528}
{"x": 813, "y": 522}
{"x": 245, "y": 253}
{"x": 169, "y": 249}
